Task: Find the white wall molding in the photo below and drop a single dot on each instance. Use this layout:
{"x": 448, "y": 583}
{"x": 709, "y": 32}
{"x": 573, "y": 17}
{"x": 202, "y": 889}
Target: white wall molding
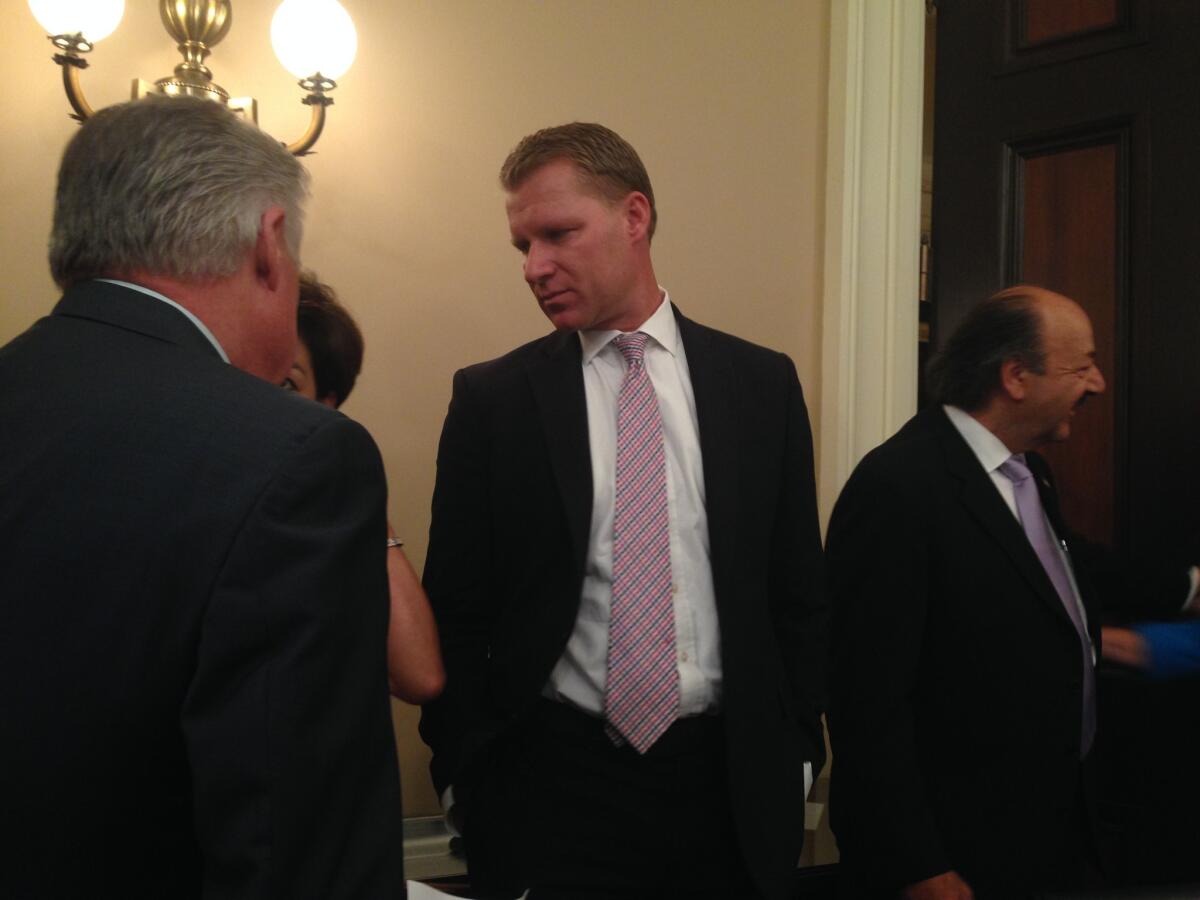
{"x": 872, "y": 231}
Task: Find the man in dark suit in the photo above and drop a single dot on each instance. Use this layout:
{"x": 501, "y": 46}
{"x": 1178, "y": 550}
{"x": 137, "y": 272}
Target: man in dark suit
{"x": 626, "y": 575}
{"x": 965, "y": 625}
{"x": 194, "y": 609}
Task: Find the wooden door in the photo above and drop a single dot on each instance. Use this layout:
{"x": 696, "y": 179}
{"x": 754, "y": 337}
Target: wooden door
{"x": 1065, "y": 154}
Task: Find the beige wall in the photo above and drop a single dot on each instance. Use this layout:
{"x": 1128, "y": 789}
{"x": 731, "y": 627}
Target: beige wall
{"x": 725, "y": 102}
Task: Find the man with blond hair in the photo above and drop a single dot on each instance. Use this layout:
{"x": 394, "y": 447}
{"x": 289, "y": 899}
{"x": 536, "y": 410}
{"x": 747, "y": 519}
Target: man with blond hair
{"x": 625, "y": 566}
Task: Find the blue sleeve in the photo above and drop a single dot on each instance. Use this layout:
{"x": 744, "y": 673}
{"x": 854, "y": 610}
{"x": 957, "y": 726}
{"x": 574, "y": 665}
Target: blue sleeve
{"x": 1173, "y": 648}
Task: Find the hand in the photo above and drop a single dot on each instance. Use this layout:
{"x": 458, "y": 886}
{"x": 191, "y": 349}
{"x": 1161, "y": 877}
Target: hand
{"x": 1124, "y": 646}
{"x": 947, "y": 886}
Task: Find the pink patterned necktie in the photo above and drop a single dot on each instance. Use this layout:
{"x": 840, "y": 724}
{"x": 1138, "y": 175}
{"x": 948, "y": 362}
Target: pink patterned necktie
{"x": 642, "y": 692}
{"x": 1033, "y": 521}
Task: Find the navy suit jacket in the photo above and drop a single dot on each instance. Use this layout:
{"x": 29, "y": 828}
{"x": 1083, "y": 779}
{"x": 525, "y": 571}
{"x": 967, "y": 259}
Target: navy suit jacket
{"x": 957, "y": 691}
{"x": 511, "y": 515}
{"x": 193, "y": 691}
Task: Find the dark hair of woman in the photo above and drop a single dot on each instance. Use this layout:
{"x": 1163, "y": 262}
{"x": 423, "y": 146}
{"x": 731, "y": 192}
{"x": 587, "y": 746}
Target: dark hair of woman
{"x": 331, "y": 335}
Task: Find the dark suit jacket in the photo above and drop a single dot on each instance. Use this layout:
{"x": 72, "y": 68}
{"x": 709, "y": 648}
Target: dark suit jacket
{"x": 511, "y": 515}
{"x": 193, "y": 694}
{"x": 957, "y": 691}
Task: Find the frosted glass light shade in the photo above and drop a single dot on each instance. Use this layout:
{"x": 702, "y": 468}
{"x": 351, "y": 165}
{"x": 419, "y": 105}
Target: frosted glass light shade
{"x": 94, "y": 19}
{"x": 311, "y": 36}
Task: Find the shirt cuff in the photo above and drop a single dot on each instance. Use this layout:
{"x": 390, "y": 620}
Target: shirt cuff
{"x": 1193, "y": 586}
{"x": 448, "y": 811}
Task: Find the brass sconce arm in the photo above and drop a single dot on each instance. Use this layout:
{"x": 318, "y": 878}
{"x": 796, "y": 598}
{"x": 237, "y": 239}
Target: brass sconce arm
{"x": 316, "y": 85}
{"x": 71, "y": 63}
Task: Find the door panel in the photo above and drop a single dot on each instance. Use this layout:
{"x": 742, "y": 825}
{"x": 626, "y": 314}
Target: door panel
{"x": 1068, "y": 220}
{"x": 1043, "y": 21}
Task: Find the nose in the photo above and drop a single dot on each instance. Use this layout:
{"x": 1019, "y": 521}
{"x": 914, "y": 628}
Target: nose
{"x": 538, "y": 265}
{"x": 1096, "y": 381}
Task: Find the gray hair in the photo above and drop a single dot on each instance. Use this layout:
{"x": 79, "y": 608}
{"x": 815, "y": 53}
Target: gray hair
{"x": 172, "y": 186}
{"x": 1006, "y": 326}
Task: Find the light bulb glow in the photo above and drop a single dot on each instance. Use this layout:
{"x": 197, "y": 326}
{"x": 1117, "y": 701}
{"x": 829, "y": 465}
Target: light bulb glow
{"x": 94, "y": 19}
{"x": 311, "y": 36}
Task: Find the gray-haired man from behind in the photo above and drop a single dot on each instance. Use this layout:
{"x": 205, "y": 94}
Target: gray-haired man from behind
{"x": 192, "y": 624}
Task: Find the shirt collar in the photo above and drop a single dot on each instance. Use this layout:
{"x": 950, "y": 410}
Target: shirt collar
{"x": 661, "y": 327}
{"x": 988, "y": 449}
{"x": 187, "y": 312}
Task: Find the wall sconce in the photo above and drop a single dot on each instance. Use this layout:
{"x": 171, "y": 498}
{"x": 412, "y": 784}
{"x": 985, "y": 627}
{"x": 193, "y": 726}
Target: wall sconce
{"x": 314, "y": 39}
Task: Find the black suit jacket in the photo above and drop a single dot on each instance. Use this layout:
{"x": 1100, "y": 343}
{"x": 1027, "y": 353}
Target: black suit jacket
{"x": 957, "y": 691}
{"x": 511, "y": 515}
{"x": 193, "y": 693}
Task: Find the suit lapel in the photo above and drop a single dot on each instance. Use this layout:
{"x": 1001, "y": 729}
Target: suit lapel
{"x": 556, "y": 379}
{"x": 1049, "y": 496}
{"x": 713, "y": 386}
{"x": 979, "y": 495}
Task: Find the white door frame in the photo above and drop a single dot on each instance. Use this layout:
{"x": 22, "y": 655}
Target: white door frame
{"x": 872, "y": 232}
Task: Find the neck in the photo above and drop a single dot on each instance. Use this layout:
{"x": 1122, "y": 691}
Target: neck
{"x": 221, "y": 304}
{"x": 996, "y": 419}
{"x": 197, "y": 297}
{"x": 644, "y": 298}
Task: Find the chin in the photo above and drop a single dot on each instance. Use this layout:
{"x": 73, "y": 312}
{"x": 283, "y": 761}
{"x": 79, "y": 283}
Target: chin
{"x": 564, "y": 321}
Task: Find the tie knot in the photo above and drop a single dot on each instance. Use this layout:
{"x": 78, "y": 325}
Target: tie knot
{"x": 632, "y": 346}
{"x": 1015, "y": 470}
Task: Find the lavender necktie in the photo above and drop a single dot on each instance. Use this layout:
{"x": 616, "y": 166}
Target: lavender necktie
{"x": 1033, "y": 520}
{"x": 642, "y": 692}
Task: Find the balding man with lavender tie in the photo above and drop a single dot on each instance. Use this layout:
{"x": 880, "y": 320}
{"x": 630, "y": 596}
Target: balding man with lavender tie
{"x": 963, "y": 705}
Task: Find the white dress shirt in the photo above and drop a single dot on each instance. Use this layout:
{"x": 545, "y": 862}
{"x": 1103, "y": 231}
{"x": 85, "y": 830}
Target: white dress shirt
{"x": 580, "y": 675}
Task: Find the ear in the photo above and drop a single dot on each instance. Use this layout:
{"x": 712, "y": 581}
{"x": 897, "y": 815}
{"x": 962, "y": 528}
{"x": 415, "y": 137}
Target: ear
{"x": 636, "y": 208}
{"x": 270, "y": 248}
{"x": 329, "y": 400}
{"x": 1012, "y": 379}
